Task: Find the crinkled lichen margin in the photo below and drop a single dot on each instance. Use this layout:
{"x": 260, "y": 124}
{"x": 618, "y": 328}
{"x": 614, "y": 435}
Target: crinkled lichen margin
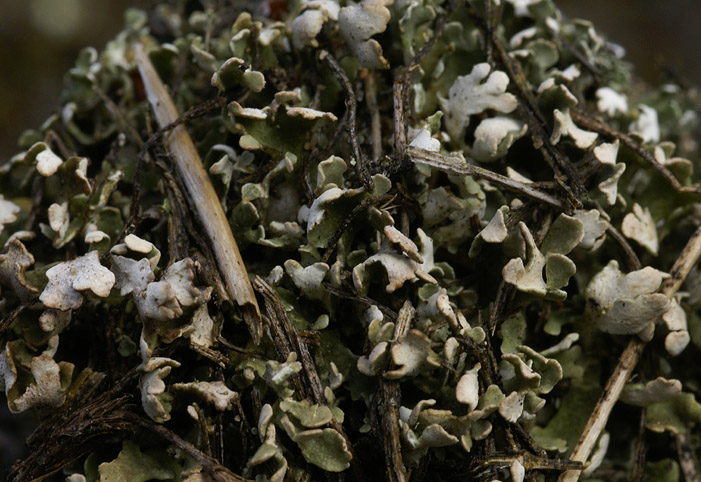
{"x": 455, "y": 217}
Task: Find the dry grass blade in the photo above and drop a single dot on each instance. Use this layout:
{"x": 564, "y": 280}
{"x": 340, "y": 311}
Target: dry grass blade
{"x": 203, "y": 199}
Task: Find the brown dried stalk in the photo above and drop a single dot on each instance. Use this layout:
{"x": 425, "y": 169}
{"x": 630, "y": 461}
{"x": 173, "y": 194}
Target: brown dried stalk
{"x": 351, "y": 106}
{"x": 389, "y": 401}
{"x": 202, "y": 197}
{"x": 215, "y": 470}
{"x": 287, "y": 340}
{"x": 626, "y": 363}
{"x": 632, "y": 261}
{"x": 601, "y": 128}
{"x": 375, "y": 125}
{"x": 456, "y": 166}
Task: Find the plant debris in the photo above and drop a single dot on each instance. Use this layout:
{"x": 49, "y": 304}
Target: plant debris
{"x": 338, "y": 240}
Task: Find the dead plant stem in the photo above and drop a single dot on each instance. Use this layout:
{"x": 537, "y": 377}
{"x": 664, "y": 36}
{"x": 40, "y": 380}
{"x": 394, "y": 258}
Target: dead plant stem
{"x": 202, "y": 196}
{"x": 627, "y": 362}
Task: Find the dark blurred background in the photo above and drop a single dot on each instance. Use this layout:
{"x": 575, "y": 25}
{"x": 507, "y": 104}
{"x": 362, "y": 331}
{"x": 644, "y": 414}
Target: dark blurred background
{"x": 39, "y": 40}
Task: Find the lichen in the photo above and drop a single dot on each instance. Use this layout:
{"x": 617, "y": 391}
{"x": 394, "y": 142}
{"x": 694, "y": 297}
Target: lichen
{"x": 455, "y": 216}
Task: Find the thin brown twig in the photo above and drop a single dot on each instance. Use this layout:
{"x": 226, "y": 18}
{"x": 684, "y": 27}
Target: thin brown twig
{"x": 528, "y": 109}
{"x": 389, "y": 401}
{"x": 52, "y": 137}
{"x": 577, "y": 54}
{"x": 360, "y": 207}
{"x": 457, "y": 166}
{"x": 119, "y": 114}
{"x": 7, "y": 321}
{"x": 211, "y": 466}
{"x": 489, "y": 47}
{"x": 632, "y": 260}
{"x": 627, "y": 362}
{"x": 319, "y": 153}
{"x": 375, "y": 125}
{"x": 386, "y": 311}
{"x": 536, "y": 121}
{"x": 601, "y": 128}
{"x": 399, "y": 123}
{"x": 292, "y": 340}
{"x": 209, "y": 270}
{"x": 400, "y": 94}
{"x": 552, "y": 155}
{"x": 289, "y": 338}
{"x": 505, "y": 292}
{"x": 196, "y": 111}
{"x": 351, "y": 106}
{"x": 638, "y": 472}
{"x": 279, "y": 336}
{"x": 37, "y": 196}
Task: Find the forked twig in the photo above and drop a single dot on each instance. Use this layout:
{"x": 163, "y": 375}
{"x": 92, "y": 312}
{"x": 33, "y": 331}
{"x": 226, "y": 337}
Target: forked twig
{"x": 626, "y": 363}
{"x": 203, "y": 197}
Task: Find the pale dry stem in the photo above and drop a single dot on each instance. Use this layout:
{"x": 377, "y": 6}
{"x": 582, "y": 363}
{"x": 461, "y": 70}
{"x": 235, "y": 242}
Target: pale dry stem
{"x": 627, "y": 362}
{"x": 458, "y": 167}
{"x": 202, "y": 196}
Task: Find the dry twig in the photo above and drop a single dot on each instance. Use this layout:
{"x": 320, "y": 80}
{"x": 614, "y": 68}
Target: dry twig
{"x": 375, "y": 126}
{"x": 351, "y": 106}
{"x": 287, "y": 339}
{"x": 603, "y": 129}
{"x": 202, "y": 196}
{"x": 389, "y": 401}
{"x": 211, "y": 466}
{"x": 627, "y": 362}
{"x": 457, "y": 166}
{"x": 561, "y": 165}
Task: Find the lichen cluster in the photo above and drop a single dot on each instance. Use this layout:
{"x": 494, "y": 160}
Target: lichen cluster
{"x": 454, "y": 215}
